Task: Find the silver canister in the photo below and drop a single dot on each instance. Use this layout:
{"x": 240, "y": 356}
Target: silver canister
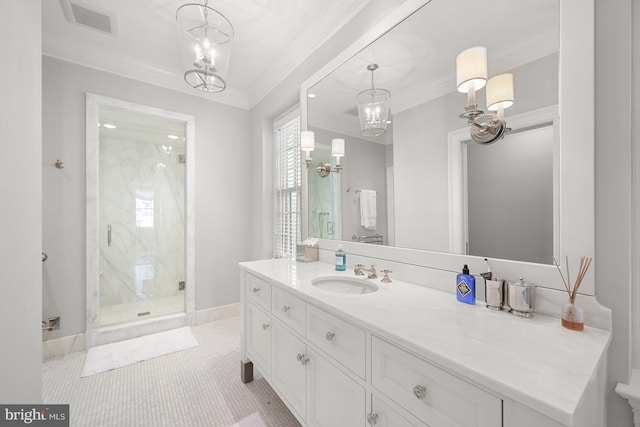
{"x": 494, "y": 293}
{"x": 521, "y": 297}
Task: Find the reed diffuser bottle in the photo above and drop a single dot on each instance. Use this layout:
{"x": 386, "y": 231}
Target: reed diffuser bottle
{"x": 572, "y": 314}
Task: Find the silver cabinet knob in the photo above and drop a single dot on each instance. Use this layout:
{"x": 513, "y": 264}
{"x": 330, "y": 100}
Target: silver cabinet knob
{"x": 286, "y": 308}
{"x": 265, "y": 326}
{"x": 302, "y": 358}
{"x": 420, "y": 391}
{"x": 256, "y": 290}
{"x": 329, "y": 336}
{"x": 372, "y": 419}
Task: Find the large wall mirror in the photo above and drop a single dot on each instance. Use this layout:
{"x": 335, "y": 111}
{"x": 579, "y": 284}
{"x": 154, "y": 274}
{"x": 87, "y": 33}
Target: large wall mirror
{"x": 414, "y": 178}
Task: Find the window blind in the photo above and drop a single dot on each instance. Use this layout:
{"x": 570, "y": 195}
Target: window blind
{"x": 287, "y": 183}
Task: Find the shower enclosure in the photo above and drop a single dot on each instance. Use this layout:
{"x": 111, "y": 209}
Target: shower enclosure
{"x": 139, "y": 232}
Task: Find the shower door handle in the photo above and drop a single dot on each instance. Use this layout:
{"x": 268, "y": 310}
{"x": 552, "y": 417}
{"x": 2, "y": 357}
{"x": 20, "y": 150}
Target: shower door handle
{"x": 109, "y": 235}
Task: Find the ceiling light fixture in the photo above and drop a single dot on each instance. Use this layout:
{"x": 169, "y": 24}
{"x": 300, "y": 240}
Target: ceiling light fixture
{"x": 210, "y": 30}
{"x": 471, "y": 73}
{"x": 109, "y": 126}
{"x": 373, "y": 108}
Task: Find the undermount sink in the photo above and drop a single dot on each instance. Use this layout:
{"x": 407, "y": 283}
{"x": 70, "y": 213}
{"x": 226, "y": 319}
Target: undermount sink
{"x": 345, "y": 285}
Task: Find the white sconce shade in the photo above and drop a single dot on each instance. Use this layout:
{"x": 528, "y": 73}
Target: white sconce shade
{"x": 337, "y": 147}
{"x": 500, "y": 92}
{"x": 471, "y": 69}
{"x": 307, "y": 141}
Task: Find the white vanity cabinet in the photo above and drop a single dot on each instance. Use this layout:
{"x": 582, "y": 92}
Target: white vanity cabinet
{"x": 318, "y": 392}
{"x": 399, "y": 357}
{"x": 258, "y": 337}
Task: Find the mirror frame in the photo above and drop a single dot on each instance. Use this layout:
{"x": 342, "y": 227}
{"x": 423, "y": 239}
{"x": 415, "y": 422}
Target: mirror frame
{"x": 576, "y": 229}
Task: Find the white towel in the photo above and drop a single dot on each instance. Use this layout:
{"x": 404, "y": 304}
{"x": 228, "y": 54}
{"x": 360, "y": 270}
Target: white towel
{"x": 368, "y": 209}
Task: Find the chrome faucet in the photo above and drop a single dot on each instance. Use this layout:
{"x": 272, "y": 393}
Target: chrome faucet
{"x": 359, "y": 270}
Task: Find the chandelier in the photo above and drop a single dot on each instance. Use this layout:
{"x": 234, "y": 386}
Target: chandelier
{"x": 373, "y": 108}
{"x": 209, "y": 33}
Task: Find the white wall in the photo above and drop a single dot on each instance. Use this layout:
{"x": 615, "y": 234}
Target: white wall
{"x": 613, "y": 174}
{"x": 222, "y": 201}
{"x": 21, "y": 195}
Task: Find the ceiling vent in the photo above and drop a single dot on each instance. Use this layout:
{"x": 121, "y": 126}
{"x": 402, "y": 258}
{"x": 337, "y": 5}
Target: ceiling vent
{"x": 90, "y": 16}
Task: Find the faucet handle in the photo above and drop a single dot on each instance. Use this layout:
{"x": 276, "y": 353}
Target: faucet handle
{"x": 386, "y": 278}
{"x": 357, "y": 269}
{"x": 372, "y": 272}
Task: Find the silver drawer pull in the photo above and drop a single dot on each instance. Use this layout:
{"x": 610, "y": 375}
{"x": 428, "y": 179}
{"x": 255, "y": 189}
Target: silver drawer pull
{"x": 420, "y": 391}
{"x": 256, "y": 290}
{"x": 265, "y": 326}
{"x": 329, "y": 336}
{"x": 372, "y": 419}
{"x": 302, "y": 358}
{"x": 286, "y": 308}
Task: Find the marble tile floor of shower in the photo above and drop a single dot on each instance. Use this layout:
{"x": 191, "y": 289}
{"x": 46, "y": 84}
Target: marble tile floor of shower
{"x": 196, "y": 387}
{"x": 130, "y": 312}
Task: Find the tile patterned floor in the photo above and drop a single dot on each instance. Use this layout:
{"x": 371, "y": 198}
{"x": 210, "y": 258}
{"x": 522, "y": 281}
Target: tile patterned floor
{"x": 195, "y": 387}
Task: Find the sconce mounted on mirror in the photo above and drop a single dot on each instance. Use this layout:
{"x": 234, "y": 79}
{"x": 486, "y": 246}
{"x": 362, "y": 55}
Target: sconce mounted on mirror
{"x": 471, "y": 73}
{"x": 307, "y": 144}
{"x": 373, "y": 108}
{"x": 211, "y": 30}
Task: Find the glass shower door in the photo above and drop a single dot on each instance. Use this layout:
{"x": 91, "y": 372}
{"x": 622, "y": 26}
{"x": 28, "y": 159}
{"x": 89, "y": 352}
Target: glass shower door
{"x": 142, "y": 210}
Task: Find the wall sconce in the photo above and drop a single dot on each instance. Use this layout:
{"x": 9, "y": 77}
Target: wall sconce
{"x": 307, "y": 144}
{"x": 471, "y": 73}
{"x": 373, "y": 108}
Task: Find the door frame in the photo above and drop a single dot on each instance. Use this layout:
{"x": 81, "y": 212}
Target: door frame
{"x": 95, "y": 335}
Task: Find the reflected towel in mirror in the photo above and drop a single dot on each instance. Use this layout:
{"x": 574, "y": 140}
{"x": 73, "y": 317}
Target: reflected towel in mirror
{"x": 368, "y": 209}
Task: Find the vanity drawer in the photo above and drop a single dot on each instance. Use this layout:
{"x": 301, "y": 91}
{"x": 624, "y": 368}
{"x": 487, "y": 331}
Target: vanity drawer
{"x": 258, "y": 291}
{"x": 431, "y": 394}
{"x": 289, "y": 309}
{"x": 340, "y": 339}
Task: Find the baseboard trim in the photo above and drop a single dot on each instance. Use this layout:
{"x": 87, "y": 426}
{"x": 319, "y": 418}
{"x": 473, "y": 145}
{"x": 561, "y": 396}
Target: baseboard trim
{"x": 72, "y": 343}
{"x": 217, "y": 313}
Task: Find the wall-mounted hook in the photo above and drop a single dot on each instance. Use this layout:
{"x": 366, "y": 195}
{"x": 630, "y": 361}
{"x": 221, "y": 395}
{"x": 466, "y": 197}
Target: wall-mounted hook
{"x": 59, "y": 164}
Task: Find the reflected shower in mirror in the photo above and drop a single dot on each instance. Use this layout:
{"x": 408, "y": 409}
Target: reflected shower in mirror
{"x": 436, "y": 189}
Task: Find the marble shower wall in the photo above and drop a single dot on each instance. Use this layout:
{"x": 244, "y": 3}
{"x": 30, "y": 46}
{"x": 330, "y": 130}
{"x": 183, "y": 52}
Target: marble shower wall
{"x": 142, "y": 198}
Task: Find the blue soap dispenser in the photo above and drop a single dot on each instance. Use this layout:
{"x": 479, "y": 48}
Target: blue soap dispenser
{"x": 466, "y": 286}
{"x": 341, "y": 259}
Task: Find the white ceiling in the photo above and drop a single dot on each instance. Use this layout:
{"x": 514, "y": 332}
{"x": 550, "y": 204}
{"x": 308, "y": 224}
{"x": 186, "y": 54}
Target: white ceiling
{"x": 272, "y": 37}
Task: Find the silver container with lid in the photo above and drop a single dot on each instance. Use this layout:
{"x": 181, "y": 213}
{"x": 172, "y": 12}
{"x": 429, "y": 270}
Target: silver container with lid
{"x": 521, "y": 298}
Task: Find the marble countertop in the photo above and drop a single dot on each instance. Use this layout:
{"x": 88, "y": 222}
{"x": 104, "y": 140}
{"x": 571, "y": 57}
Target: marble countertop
{"x": 534, "y": 361}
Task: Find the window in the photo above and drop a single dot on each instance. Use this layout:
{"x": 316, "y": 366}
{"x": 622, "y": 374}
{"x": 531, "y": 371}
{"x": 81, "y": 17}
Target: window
{"x": 287, "y": 181}
{"x": 144, "y": 208}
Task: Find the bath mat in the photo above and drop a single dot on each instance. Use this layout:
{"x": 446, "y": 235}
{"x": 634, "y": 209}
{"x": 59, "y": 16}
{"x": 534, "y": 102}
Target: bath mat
{"x": 253, "y": 420}
{"x": 116, "y": 355}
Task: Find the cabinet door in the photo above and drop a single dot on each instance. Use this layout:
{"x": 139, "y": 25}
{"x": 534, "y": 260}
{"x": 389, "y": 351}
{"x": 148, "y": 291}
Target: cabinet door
{"x": 287, "y": 371}
{"x": 333, "y": 399}
{"x": 258, "y": 338}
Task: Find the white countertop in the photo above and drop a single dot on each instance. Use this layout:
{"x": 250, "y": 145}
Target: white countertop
{"x": 534, "y": 361}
